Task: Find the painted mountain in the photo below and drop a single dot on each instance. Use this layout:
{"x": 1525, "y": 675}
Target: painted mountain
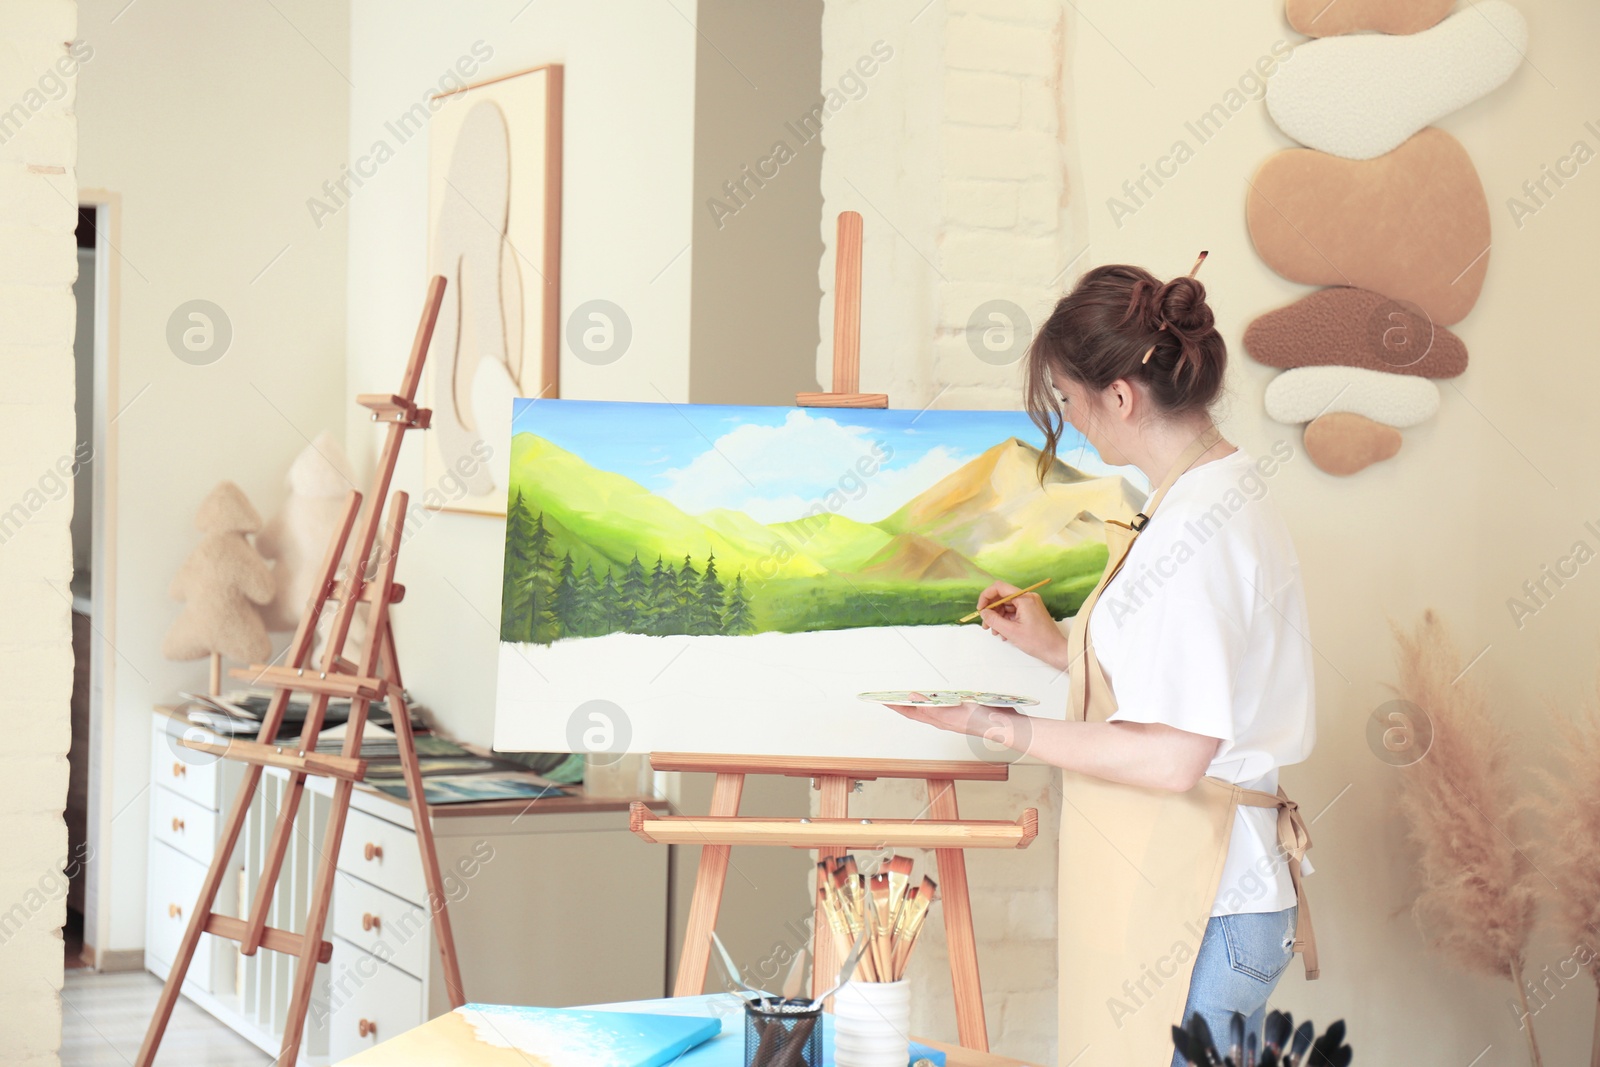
{"x": 591, "y": 552}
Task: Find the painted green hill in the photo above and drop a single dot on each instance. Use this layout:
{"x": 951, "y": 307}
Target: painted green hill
{"x": 612, "y": 517}
{"x": 838, "y": 543}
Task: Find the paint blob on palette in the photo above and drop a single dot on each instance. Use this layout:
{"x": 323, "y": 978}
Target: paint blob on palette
{"x": 946, "y": 698}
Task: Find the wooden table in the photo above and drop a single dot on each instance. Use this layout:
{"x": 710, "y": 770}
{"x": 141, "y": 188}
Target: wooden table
{"x": 451, "y": 1039}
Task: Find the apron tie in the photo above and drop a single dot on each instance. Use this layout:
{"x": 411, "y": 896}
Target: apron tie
{"x": 1294, "y": 839}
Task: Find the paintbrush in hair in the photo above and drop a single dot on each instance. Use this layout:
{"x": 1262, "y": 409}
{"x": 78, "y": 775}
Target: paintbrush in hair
{"x": 1250, "y": 1045}
{"x": 1236, "y": 1039}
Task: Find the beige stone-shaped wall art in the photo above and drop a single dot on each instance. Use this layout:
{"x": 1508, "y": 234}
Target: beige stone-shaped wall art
{"x": 1342, "y": 442}
{"x": 1323, "y": 18}
{"x": 1345, "y": 326}
{"x": 494, "y": 222}
{"x": 1361, "y": 96}
{"x": 1381, "y": 206}
{"x": 1412, "y": 224}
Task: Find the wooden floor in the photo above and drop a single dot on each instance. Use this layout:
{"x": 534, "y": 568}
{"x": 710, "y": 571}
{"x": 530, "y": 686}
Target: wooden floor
{"x": 104, "y": 1016}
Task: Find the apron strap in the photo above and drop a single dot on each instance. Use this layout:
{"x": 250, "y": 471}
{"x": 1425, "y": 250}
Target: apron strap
{"x": 1294, "y": 839}
{"x": 1119, "y": 539}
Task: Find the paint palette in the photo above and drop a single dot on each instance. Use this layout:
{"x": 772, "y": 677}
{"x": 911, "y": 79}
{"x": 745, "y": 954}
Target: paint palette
{"x": 945, "y": 698}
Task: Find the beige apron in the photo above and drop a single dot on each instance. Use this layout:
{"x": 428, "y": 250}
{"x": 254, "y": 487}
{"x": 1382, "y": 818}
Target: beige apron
{"x": 1140, "y": 869}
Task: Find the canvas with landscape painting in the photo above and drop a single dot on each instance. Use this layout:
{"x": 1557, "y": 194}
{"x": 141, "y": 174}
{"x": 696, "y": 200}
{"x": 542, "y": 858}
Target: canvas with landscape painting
{"x": 729, "y": 578}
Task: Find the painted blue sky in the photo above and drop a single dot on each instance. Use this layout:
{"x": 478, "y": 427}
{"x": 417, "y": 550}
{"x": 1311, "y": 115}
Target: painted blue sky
{"x": 773, "y": 463}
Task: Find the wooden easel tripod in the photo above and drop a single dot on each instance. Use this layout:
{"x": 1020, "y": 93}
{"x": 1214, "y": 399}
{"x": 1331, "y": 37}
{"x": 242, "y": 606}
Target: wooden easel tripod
{"x": 375, "y": 675}
{"x": 833, "y": 833}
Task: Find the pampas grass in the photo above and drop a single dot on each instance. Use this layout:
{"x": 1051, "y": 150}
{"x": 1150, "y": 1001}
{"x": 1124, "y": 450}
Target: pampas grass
{"x": 1477, "y": 902}
{"x": 1570, "y": 853}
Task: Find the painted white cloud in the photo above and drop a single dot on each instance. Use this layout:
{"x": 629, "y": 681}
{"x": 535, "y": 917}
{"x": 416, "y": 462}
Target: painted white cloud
{"x": 777, "y": 473}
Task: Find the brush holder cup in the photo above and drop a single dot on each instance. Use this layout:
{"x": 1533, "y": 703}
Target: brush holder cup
{"x": 784, "y": 1033}
{"x": 872, "y": 1024}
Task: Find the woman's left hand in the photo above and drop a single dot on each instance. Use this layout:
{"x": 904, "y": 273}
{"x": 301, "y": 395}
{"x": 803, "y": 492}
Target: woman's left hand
{"x": 1002, "y": 725}
{"x": 949, "y": 717}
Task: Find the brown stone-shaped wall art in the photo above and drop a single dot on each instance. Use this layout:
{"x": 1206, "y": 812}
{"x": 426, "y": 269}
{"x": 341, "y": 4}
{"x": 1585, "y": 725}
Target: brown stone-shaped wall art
{"x": 1343, "y": 443}
{"x": 1322, "y": 18}
{"x": 1412, "y": 224}
{"x": 1355, "y": 328}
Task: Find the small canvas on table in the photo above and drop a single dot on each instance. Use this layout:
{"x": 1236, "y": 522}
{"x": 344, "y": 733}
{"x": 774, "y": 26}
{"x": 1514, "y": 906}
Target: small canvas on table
{"x": 490, "y": 1035}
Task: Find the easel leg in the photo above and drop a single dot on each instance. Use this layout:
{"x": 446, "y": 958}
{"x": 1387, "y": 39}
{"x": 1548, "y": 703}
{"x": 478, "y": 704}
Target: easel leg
{"x": 957, "y": 904}
{"x": 220, "y": 866}
{"x": 833, "y": 804}
{"x": 424, "y": 825}
{"x": 707, "y": 901}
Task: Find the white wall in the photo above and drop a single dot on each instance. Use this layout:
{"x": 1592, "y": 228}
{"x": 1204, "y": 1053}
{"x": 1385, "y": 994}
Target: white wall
{"x": 636, "y": 171}
{"x": 38, "y": 262}
{"x": 626, "y": 211}
{"x": 214, "y": 123}
{"x": 1478, "y": 500}
{"x": 1499, "y": 483}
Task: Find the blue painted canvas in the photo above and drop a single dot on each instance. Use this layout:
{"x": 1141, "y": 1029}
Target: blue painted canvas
{"x": 575, "y": 1037}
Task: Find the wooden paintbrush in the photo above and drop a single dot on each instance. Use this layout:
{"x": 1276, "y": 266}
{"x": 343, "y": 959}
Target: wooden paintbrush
{"x": 881, "y": 919}
{"x": 1008, "y": 598}
{"x": 913, "y": 913}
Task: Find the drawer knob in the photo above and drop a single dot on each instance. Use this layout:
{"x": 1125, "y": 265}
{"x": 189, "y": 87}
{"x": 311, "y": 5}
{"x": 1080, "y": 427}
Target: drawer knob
{"x": 370, "y": 922}
{"x": 177, "y": 825}
{"x": 372, "y": 852}
{"x": 178, "y": 769}
{"x": 366, "y": 1027}
{"x": 173, "y": 911}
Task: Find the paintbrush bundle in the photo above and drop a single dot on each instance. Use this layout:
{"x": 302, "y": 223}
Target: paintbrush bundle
{"x": 1285, "y": 1045}
{"x": 886, "y": 905}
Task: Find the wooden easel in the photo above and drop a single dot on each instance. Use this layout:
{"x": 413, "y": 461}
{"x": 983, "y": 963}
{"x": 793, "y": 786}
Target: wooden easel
{"x": 375, "y": 675}
{"x": 833, "y": 833}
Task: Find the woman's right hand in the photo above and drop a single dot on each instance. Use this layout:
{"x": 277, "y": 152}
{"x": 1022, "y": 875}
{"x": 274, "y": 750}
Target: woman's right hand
{"x": 1025, "y": 622}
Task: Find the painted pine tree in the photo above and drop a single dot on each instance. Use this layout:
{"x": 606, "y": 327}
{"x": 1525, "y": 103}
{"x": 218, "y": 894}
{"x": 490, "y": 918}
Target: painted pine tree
{"x": 736, "y": 609}
{"x": 565, "y": 598}
{"x": 610, "y": 603}
{"x": 685, "y": 597}
{"x": 707, "y": 611}
{"x": 514, "y": 585}
{"x": 663, "y": 583}
{"x": 633, "y": 599}
{"x": 540, "y": 610}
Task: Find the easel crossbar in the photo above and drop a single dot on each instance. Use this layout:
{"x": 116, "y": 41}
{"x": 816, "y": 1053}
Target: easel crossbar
{"x": 862, "y": 770}
{"x": 836, "y": 833}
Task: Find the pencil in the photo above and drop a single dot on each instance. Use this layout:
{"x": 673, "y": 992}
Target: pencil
{"x": 1008, "y": 598}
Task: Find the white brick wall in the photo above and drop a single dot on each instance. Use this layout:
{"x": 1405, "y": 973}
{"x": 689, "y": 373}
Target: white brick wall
{"x": 38, "y": 262}
{"x": 964, "y": 197}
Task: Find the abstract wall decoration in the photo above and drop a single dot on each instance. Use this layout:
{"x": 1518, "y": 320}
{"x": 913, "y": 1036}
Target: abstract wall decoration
{"x": 494, "y": 231}
{"x": 1412, "y": 224}
{"x": 1389, "y": 87}
{"x": 1383, "y": 207}
{"x": 1318, "y": 18}
{"x": 727, "y": 579}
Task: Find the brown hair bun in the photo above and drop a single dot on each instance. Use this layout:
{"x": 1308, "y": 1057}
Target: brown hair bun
{"x": 1121, "y": 322}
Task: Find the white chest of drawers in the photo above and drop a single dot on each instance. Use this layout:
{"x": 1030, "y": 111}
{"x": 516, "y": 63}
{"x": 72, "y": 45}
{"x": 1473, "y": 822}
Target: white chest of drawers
{"x": 553, "y": 903}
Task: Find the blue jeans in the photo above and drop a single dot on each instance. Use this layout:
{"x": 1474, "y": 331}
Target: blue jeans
{"x": 1238, "y": 966}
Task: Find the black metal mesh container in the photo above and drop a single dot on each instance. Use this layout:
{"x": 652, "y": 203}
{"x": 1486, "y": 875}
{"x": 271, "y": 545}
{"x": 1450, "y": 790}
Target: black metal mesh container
{"x": 782, "y": 1033}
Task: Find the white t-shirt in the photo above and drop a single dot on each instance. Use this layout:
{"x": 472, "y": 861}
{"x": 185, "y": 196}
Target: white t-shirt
{"x": 1204, "y": 629}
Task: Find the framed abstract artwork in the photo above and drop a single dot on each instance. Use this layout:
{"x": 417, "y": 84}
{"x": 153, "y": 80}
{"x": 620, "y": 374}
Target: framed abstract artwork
{"x": 727, "y": 579}
{"x": 494, "y": 232}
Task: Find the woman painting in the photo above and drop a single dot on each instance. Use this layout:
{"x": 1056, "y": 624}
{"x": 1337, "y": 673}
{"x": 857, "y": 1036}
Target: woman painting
{"x": 1191, "y": 685}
